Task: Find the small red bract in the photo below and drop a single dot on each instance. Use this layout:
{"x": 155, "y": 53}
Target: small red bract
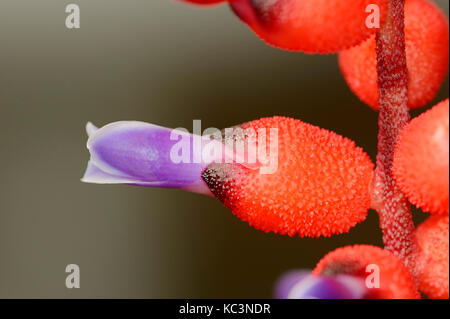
{"x": 432, "y": 236}
{"x": 427, "y": 53}
{"x": 395, "y": 281}
{"x": 421, "y": 160}
{"x": 313, "y": 26}
{"x": 320, "y": 188}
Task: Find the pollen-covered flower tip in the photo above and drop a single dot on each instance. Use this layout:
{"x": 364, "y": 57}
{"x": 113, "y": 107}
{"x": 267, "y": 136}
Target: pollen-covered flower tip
{"x": 432, "y": 237}
{"x": 421, "y": 160}
{"x": 385, "y": 275}
{"x": 320, "y": 186}
{"x": 138, "y": 153}
{"x": 304, "y": 285}
{"x": 427, "y": 53}
{"x": 312, "y": 26}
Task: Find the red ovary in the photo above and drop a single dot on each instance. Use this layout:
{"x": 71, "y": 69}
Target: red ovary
{"x": 320, "y": 188}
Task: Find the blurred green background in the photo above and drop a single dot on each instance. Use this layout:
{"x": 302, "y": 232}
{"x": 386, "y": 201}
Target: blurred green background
{"x": 163, "y": 62}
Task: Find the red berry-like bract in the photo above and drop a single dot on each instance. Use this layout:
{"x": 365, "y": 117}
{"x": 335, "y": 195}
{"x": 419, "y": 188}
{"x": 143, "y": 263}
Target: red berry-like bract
{"x": 432, "y": 236}
{"x": 427, "y": 52}
{"x": 421, "y": 160}
{"x": 204, "y": 2}
{"x": 314, "y": 26}
{"x": 320, "y": 188}
{"x": 395, "y": 280}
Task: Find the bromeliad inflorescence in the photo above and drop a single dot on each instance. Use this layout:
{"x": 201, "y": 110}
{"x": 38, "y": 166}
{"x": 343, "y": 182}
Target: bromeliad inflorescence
{"x": 285, "y": 176}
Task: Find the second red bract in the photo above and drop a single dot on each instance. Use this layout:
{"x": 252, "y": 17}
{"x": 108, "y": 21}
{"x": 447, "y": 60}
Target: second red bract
{"x": 312, "y": 26}
{"x": 320, "y": 187}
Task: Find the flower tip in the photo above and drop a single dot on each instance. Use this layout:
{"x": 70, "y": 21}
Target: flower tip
{"x": 95, "y": 175}
{"x": 90, "y": 128}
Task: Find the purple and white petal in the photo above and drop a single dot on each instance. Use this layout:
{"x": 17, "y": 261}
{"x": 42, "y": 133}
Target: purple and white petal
{"x": 304, "y": 285}
{"x": 139, "y": 153}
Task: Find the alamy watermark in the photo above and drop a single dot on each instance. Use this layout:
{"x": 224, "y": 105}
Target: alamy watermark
{"x": 373, "y": 19}
{"x": 373, "y": 279}
{"x": 73, "y": 278}
{"x": 253, "y": 148}
{"x": 73, "y": 17}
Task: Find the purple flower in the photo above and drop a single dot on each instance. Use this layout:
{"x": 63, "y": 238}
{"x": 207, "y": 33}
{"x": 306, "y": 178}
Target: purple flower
{"x": 137, "y": 153}
{"x": 304, "y": 285}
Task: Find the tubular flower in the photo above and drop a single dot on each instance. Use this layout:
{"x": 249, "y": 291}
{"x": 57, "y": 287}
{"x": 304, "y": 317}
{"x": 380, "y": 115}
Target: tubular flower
{"x": 432, "y": 236}
{"x": 427, "y": 53}
{"x": 320, "y": 187}
{"x": 139, "y": 153}
{"x": 313, "y": 26}
{"x": 421, "y": 160}
{"x": 330, "y": 174}
{"x": 385, "y": 275}
{"x": 303, "y": 285}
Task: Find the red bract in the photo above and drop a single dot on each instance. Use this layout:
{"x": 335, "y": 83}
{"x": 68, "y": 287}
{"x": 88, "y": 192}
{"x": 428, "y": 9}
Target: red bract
{"x": 395, "y": 281}
{"x": 421, "y": 161}
{"x": 432, "y": 236}
{"x": 314, "y": 26}
{"x": 427, "y": 53}
{"x": 321, "y": 186}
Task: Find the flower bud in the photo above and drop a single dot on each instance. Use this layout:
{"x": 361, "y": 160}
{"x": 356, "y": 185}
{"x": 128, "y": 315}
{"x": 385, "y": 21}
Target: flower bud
{"x": 143, "y": 154}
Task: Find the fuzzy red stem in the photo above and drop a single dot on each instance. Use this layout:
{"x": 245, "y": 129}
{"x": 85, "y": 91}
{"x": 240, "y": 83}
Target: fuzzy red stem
{"x": 392, "y": 206}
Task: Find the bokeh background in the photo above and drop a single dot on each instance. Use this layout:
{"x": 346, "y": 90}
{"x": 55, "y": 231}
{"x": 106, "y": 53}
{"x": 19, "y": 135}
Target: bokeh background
{"x": 163, "y": 62}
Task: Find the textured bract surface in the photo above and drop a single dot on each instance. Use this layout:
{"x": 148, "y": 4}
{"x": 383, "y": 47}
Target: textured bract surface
{"x": 314, "y": 26}
{"x": 432, "y": 236}
{"x": 395, "y": 279}
{"x": 421, "y": 160}
{"x": 427, "y": 52}
{"x": 321, "y": 186}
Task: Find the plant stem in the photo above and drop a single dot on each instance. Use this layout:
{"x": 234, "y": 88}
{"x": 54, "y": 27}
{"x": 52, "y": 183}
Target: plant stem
{"x": 392, "y": 206}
